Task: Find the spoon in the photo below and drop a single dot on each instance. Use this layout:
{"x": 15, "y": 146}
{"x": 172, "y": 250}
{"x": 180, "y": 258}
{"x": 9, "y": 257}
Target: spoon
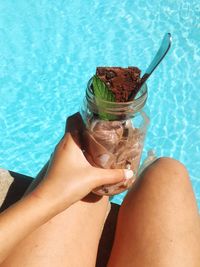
{"x": 164, "y": 48}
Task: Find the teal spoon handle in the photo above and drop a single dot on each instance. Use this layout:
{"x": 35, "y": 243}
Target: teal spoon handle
{"x": 164, "y": 48}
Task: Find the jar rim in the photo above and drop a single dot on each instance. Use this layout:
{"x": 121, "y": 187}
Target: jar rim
{"x": 116, "y": 109}
{"x": 142, "y": 96}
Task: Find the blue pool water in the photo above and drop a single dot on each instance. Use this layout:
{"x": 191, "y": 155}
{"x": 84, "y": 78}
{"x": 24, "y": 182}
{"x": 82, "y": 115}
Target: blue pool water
{"x": 49, "y": 50}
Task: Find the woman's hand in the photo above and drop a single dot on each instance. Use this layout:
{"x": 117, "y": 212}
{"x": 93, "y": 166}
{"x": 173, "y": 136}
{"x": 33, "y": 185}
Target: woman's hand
{"x": 70, "y": 177}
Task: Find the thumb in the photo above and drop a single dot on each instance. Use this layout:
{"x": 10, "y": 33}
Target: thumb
{"x": 112, "y": 176}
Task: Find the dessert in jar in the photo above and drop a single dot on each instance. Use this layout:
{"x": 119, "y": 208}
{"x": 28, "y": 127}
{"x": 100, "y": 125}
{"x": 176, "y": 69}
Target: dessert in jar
{"x": 116, "y": 123}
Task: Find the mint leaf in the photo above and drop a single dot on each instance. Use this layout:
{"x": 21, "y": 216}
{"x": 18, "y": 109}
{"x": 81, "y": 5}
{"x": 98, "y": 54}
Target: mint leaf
{"x": 102, "y": 92}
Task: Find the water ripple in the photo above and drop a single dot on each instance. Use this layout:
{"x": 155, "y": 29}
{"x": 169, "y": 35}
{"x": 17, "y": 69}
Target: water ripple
{"x": 48, "y": 51}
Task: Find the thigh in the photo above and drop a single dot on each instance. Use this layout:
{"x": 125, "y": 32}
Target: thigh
{"x": 70, "y": 239}
{"x": 158, "y": 223}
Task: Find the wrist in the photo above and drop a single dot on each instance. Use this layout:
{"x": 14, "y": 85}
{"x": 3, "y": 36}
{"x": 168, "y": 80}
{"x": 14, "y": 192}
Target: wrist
{"x": 42, "y": 205}
{"x": 52, "y": 203}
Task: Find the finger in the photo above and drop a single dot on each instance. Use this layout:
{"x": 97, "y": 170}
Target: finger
{"x": 113, "y": 176}
{"x": 75, "y": 123}
{"x": 75, "y": 126}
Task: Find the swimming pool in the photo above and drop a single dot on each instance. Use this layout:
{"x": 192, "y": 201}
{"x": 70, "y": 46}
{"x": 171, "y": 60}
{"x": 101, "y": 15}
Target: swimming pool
{"x": 49, "y": 50}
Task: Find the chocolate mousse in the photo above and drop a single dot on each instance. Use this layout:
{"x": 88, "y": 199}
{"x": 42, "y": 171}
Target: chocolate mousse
{"x": 123, "y": 82}
{"x": 110, "y": 148}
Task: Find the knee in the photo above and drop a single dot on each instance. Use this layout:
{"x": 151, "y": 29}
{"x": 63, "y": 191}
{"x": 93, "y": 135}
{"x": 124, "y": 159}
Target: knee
{"x": 170, "y": 164}
{"x": 167, "y": 169}
{"x": 165, "y": 181}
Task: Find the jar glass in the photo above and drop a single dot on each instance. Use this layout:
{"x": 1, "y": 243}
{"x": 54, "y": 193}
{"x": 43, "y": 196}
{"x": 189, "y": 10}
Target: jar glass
{"x": 114, "y": 135}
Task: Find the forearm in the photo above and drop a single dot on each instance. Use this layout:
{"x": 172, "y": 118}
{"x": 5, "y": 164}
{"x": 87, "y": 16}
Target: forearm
{"x": 21, "y": 219}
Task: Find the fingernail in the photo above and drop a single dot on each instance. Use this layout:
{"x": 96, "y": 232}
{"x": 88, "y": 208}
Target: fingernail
{"x": 128, "y": 174}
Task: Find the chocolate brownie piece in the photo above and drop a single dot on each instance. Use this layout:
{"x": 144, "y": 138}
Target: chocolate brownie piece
{"x": 123, "y": 82}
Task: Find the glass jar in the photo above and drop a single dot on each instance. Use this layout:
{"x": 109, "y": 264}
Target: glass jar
{"x": 114, "y": 135}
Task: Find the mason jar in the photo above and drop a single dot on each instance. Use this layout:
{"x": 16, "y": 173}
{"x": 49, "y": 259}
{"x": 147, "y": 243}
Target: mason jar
{"x": 114, "y": 135}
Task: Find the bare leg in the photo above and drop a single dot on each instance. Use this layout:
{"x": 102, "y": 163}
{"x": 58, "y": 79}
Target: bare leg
{"x": 69, "y": 239}
{"x": 158, "y": 223}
